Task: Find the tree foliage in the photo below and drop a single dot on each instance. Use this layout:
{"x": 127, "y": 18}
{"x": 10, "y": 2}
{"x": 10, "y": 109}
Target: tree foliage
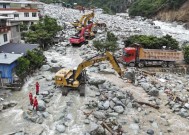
{"x": 110, "y": 44}
{"x": 23, "y": 65}
{"x": 33, "y": 60}
{"x": 151, "y": 7}
{"x": 152, "y": 42}
{"x": 186, "y": 54}
{"x": 43, "y": 32}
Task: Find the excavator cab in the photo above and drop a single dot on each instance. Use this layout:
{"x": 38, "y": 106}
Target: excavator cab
{"x": 65, "y": 78}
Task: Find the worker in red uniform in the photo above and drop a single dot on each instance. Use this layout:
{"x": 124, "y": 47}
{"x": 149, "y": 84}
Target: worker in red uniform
{"x": 37, "y": 88}
{"x": 31, "y": 98}
{"x": 35, "y": 104}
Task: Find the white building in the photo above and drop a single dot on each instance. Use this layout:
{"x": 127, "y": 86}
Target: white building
{"x": 26, "y": 11}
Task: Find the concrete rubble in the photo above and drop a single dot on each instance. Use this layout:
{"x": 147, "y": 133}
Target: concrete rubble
{"x": 127, "y": 107}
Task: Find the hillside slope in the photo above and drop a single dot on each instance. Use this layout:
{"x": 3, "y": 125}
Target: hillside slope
{"x": 182, "y": 14}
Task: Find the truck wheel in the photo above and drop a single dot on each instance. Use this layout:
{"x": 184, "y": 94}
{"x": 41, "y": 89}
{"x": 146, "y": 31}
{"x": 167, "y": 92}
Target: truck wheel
{"x": 171, "y": 65}
{"x": 132, "y": 64}
{"x": 164, "y": 64}
{"x": 140, "y": 64}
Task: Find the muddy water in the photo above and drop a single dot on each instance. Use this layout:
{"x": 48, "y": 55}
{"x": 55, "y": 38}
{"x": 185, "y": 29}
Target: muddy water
{"x": 11, "y": 120}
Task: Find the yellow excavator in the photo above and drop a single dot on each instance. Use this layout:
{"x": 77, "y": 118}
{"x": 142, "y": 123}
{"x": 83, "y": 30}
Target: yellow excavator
{"x": 83, "y": 20}
{"x": 69, "y": 78}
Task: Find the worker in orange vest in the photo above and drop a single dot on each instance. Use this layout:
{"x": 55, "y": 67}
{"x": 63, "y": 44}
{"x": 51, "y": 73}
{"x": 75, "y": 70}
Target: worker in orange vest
{"x": 31, "y": 98}
{"x": 37, "y": 88}
{"x": 35, "y": 104}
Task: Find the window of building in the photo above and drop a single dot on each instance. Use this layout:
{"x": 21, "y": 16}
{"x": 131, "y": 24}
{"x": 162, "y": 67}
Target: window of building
{"x": 16, "y": 15}
{"x": 34, "y": 14}
{"x": 5, "y": 15}
{"x": 5, "y": 37}
{"x": 26, "y": 14}
{"x": 4, "y": 6}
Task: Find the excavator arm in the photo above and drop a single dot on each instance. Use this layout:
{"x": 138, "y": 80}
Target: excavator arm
{"x": 88, "y": 18}
{"x": 93, "y": 60}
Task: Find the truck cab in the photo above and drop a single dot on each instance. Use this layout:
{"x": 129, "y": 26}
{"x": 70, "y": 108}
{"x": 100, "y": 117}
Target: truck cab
{"x": 129, "y": 56}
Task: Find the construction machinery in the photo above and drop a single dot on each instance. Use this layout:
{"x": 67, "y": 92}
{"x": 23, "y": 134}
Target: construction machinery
{"x": 138, "y": 56}
{"x": 83, "y": 20}
{"x": 80, "y": 38}
{"x": 70, "y": 78}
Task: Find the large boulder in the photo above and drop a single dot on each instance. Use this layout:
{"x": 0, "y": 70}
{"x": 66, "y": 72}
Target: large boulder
{"x": 118, "y": 109}
{"x": 99, "y": 115}
{"x": 45, "y": 68}
{"x": 60, "y": 128}
{"x": 154, "y": 92}
{"x": 41, "y": 105}
{"x": 96, "y": 81}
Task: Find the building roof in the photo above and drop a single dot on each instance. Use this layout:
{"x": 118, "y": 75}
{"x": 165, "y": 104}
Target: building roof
{"x": 9, "y": 58}
{"x": 8, "y": 12}
{"x": 17, "y": 48}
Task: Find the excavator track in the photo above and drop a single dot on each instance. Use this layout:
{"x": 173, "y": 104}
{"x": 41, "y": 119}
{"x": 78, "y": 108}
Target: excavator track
{"x": 82, "y": 90}
{"x": 65, "y": 91}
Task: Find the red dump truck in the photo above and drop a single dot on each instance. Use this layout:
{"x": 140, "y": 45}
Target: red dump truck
{"x": 138, "y": 56}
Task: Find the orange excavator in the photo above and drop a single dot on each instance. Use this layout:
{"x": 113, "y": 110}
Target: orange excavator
{"x": 85, "y": 33}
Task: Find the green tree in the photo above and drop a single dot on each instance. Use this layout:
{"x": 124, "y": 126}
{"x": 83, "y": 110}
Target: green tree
{"x": 186, "y": 54}
{"x": 36, "y": 58}
{"x": 43, "y": 32}
{"x": 110, "y": 44}
{"x": 33, "y": 60}
{"x": 152, "y": 42}
{"x": 23, "y": 66}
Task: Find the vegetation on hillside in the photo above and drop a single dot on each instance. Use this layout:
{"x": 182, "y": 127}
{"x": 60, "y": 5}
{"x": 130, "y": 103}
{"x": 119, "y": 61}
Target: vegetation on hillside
{"x": 152, "y": 42}
{"x": 109, "y": 6}
{"x": 32, "y": 61}
{"x": 110, "y": 44}
{"x": 149, "y": 8}
{"x": 43, "y": 32}
{"x": 186, "y": 54}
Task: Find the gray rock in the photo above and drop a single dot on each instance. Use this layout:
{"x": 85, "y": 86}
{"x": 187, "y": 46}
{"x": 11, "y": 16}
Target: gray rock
{"x": 112, "y": 104}
{"x": 145, "y": 86}
{"x": 120, "y": 95}
{"x": 44, "y": 93}
{"x": 155, "y": 125}
{"x": 12, "y": 103}
{"x": 41, "y": 105}
{"x": 134, "y": 127}
{"x": 99, "y": 115}
{"x": 186, "y": 105}
{"x": 154, "y": 92}
{"x": 100, "y": 106}
{"x": 96, "y": 81}
{"x": 48, "y": 78}
{"x": 183, "y": 113}
{"x": 39, "y": 120}
{"x": 130, "y": 75}
{"x": 106, "y": 104}
{"x": 108, "y": 71}
{"x": 54, "y": 61}
{"x": 60, "y": 128}
{"x": 113, "y": 114}
{"x": 45, "y": 68}
{"x": 87, "y": 121}
{"x": 118, "y": 109}
{"x": 45, "y": 114}
{"x": 150, "y": 132}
